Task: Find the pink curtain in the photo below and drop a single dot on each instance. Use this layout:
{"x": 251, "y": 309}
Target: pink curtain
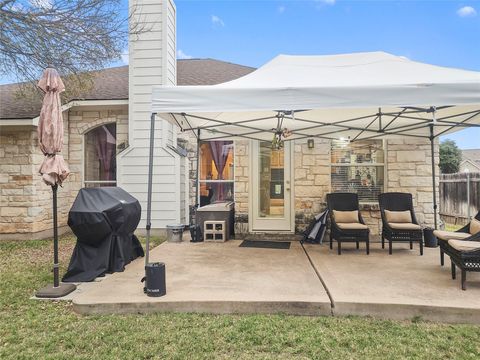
{"x": 220, "y": 150}
{"x": 105, "y": 144}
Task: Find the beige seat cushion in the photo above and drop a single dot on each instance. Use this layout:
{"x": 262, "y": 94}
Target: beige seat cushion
{"x": 450, "y": 235}
{"x": 474, "y": 227}
{"x": 466, "y": 246}
{"x": 345, "y": 216}
{"x": 405, "y": 226}
{"x": 398, "y": 216}
{"x": 352, "y": 226}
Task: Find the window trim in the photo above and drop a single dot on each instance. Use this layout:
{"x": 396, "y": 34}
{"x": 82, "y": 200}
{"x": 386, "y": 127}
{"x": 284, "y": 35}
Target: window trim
{"x": 199, "y": 181}
{"x": 384, "y": 164}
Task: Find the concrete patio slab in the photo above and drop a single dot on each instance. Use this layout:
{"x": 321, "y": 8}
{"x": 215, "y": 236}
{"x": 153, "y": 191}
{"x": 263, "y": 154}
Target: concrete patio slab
{"x": 213, "y": 278}
{"x": 398, "y": 286}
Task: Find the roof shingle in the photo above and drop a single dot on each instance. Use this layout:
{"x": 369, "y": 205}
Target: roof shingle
{"x": 472, "y": 155}
{"x": 112, "y": 84}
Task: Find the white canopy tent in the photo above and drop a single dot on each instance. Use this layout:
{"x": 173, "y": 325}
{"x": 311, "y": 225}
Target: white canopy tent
{"x": 352, "y": 96}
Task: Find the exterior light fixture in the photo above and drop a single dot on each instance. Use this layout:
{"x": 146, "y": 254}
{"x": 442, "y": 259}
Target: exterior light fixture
{"x": 310, "y": 143}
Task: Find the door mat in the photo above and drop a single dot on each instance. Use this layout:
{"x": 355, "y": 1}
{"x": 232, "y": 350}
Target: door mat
{"x": 266, "y": 244}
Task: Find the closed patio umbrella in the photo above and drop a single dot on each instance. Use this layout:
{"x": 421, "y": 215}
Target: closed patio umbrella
{"x": 53, "y": 170}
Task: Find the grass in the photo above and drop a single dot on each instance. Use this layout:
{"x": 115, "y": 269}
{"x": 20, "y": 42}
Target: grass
{"x": 33, "y": 329}
{"x": 452, "y": 227}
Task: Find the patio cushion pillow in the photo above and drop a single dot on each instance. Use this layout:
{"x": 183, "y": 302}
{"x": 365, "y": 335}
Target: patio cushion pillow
{"x": 346, "y": 216}
{"x": 450, "y": 235}
{"x": 405, "y": 226}
{"x": 474, "y": 227}
{"x": 398, "y": 216}
{"x": 466, "y": 246}
{"x": 352, "y": 226}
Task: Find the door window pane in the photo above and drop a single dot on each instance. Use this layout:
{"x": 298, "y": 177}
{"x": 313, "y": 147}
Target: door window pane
{"x": 271, "y": 189}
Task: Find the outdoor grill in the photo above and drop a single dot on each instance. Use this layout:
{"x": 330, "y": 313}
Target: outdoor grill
{"x": 103, "y": 219}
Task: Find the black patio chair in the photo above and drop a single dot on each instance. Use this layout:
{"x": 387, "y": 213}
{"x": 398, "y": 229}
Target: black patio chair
{"x": 351, "y": 231}
{"x": 444, "y": 236}
{"x": 463, "y": 249}
{"x": 404, "y": 231}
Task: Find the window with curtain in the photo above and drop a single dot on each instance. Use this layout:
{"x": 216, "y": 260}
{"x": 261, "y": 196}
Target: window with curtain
{"x": 358, "y": 167}
{"x": 100, "y": 156}
{"x": 216, "y": 180}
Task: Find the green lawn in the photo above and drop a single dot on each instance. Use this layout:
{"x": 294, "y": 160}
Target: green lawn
{"x": 452, "y": 227}
{"x": 32, "y": 329}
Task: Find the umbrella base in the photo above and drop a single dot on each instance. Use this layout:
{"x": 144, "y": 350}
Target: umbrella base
{"x": 52, "y": 292}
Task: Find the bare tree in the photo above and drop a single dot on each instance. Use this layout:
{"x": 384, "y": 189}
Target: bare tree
{"x": 73, "y": 36}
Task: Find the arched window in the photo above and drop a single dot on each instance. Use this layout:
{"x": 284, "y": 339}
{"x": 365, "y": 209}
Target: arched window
{"x": 100, "y": 156}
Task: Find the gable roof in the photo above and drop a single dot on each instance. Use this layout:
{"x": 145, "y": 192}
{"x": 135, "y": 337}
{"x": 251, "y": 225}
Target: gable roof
{"x": 112, "y": 84}
{"x": 465, "y": 163}
{"x": 472, "y": 154}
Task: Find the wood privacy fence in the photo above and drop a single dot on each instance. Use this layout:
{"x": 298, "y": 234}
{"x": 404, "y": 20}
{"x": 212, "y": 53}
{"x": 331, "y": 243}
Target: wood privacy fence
{"x": 453, "y": 196}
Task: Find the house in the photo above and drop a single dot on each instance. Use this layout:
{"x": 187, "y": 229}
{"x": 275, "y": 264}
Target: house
{"x": 470, "y": 160}
{"x": 95, "y": 124}
{"x": 106, "y": 142}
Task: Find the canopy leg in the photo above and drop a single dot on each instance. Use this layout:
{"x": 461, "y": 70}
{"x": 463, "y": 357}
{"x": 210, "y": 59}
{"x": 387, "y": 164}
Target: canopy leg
{"x": 149, "y": 191}
{"x": 434, "y": 186}
{"x": 197, "y": 183}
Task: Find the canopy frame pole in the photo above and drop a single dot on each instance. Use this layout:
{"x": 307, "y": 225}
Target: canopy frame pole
{"x": 149, "y": 191}
{"x": 461, "y": 122}
{"x": 225, "y": 123}
{"x": 393, "y": 120}
{"x": 380, "y": 119}
{"x": 434, "y": 185}
{"x": 197, "y": 180}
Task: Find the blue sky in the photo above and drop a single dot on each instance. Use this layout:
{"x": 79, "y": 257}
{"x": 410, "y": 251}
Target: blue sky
{"x": 444, "y": 33}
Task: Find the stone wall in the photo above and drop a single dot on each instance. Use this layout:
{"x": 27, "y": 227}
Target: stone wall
{"x": 311, "y": 180}
{"x": 242, "y": 186}
{"x": 188, "y": 141}
{"x": 408, "y": 169}
{"x": 26, "y": 201}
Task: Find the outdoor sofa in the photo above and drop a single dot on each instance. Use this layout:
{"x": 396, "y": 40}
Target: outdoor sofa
{"x": 463, "y": 247}
{"x": 346, "y": 223}
{"x": 399, "y": 223}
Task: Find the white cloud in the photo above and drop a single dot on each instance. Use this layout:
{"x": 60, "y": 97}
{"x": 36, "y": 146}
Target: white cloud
{"x": 216, "y": 21}
{"x": 466, "y": 11}
{"x": 182, "y": 55}
{"x": 125, "y": 56}
{"x": 281, "y": 9}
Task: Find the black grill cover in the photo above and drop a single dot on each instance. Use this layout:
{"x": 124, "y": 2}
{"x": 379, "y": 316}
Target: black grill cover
{"x": 103, "y": 219}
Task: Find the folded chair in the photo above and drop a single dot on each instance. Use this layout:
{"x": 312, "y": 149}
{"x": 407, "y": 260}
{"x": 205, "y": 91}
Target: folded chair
{"x": 346, "y": 223}
{"x": 463, "y": 247}
{"x": 399, "y": 223}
